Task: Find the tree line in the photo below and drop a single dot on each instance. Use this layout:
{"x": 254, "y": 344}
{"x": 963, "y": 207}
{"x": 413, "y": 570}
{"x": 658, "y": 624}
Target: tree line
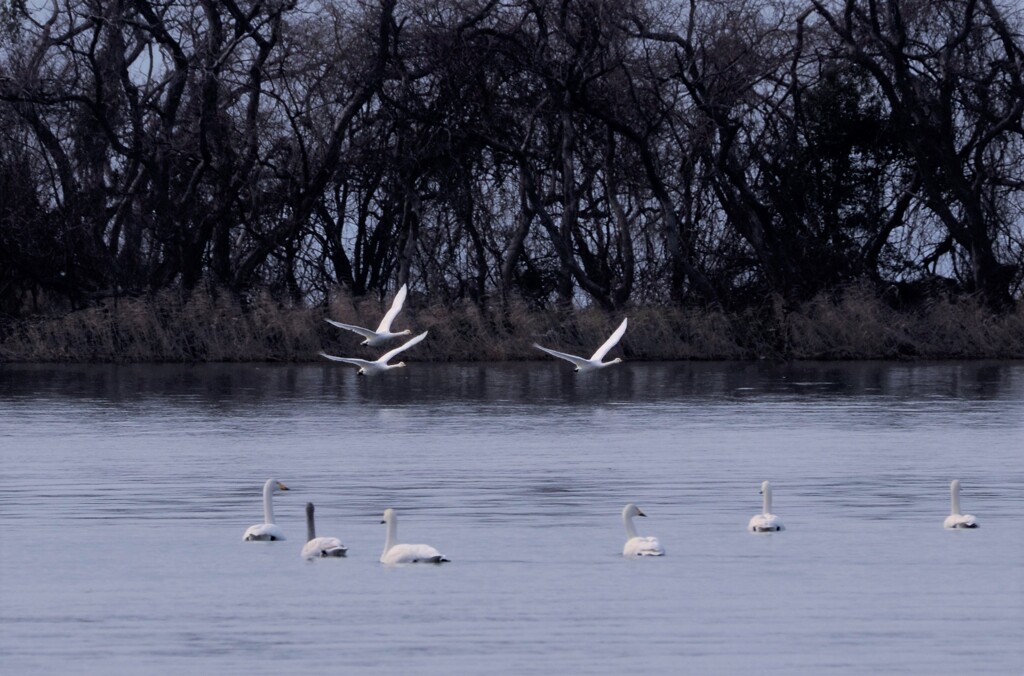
{"x": 602, "y": 152}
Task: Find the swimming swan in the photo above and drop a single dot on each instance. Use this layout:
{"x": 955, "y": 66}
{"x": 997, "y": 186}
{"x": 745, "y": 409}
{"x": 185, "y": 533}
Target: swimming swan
{"x": 955, "y": 518}
{"x": 268, "y": 530}
{"x": 637, "y": 545}
{"x": 383, "y": 333}
{"x": 765, "y": 522}
{"x": 369, "y": 368}
{"x": 583, "y": 365}
{"x": 319, "y": 547}
{"x": 405, "y": 553}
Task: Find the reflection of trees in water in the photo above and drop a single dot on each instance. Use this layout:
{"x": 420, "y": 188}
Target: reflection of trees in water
{"x": 445, "y": 389}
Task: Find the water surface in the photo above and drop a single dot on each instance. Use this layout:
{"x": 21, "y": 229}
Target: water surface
{"x": 127, "y": 490}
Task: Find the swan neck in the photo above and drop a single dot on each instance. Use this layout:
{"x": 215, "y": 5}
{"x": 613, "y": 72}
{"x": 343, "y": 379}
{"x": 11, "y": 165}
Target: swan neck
{"x": 954, "y": 499}
{"x": 630, "y": 528}
{"x": 767, "y": 499}
{"x": 268, "y": 503}
{"x": 310, "y": 526}
{"x": 389, "y": 538}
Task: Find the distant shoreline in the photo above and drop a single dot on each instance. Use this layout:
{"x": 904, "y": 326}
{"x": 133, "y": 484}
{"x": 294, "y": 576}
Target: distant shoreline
{"x": 854, "y": 326}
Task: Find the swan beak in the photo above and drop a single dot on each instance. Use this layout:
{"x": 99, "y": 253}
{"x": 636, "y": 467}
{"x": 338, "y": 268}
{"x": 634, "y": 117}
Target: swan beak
{"x": 639, "y": 513}
{"x": 383, "y": 521}
{"x": 282, "y": 487}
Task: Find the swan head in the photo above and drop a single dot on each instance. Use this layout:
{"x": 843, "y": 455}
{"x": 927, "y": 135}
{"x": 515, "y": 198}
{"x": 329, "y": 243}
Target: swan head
{"x": 389, "y": 516}
{"x": 631, "y": 510}
{"x": 407, "y": 332}
{"x": 765, "y": 487}
{"x": 275, "y": 484}
{"x": 954, "y": 485}
{"x": 309, "y": 509}
{"x": 617, "y": 360}
{"x": 399, "y": 365}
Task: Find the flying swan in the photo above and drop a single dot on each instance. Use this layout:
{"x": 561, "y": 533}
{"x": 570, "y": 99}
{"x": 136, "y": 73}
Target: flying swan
{"x": 383, "y": 333}
{"x": 268, "y": 530}
{"x": 319, "y": 547}
{"x": 594, "y": 363}
{"x": 765, "y": 522}
{"x": 955, "y": 518}
{"x": 637, "y": 545}
{"x": 369, "y": 368}
{"x": 393, "y": 553}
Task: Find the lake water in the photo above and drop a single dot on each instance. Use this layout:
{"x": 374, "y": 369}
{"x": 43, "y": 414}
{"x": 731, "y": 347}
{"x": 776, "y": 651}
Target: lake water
{"x": 126, "y": 491}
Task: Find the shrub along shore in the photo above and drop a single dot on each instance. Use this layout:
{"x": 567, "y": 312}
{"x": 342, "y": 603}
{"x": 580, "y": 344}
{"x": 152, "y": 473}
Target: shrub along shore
{"x": 853, "y": 325}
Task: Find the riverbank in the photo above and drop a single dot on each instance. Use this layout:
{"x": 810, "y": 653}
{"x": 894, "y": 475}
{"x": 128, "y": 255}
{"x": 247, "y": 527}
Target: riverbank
{"x": 204, "y": 329}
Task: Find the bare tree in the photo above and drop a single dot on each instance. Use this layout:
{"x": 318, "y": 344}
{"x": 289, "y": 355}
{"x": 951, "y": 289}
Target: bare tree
{"x": 952, "y": 76}
{"x": 605, "y": 152}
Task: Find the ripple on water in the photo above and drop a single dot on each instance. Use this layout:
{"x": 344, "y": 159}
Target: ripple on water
{"x": 127, "y": 490}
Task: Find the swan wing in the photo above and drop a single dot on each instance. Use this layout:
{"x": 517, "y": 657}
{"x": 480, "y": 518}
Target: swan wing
{"x": 365, "y": 333}
{"x": 388, "y": 356}
{"x": 263, "y": 532}
{"x": 611, "y": 342}
{"x": 347, "y": 360}
{"x": 322, "y": 547}
{"x": 643, "y": 546}
{"x": 580, "y": 362}
{"x": 764, "y": 523}
{"x": 961, "y": 521}
{"x": 396, "y": 307}
{"x": 413, "y": 554}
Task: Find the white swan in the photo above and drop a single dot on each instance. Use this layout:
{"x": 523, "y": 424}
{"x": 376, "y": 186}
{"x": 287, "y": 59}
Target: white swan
{"x": 765, "y": 522}
{"x": 594, "y": 362}
{"x": 319, "y": 547}
{"x": 637, "y": 545}
{"x": 369, "y": 368}
{"x": 955, "y": 518}
{"x": 268, "y": 530}
{"x": 394, "y": 553}
{"x": 383, "y": 333}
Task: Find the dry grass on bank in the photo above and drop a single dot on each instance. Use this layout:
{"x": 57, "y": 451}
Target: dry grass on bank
{"x": 164, "y": 329}
{"x": 859, "y": 326}
{"x": 856, "y": 326}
